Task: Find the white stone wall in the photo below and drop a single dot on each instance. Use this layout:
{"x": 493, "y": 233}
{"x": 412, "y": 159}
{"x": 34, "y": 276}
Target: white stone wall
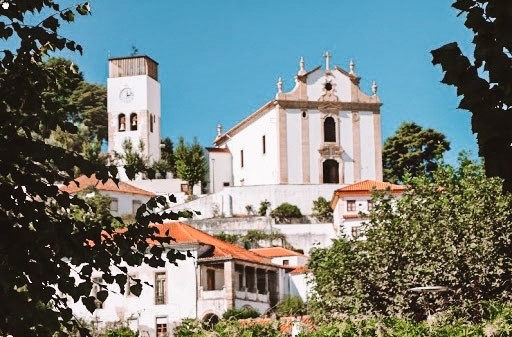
{"x": 298, "y": 286}
{"x": 347, "y": 143}
{"x": 220, "y": 164}
{"x": 367, "y": 146}
{"x": 294, "y": 146}
{"x": 317, "y": 80}
{"x": 293, "y": 260}
{"x": 125, "y": 202}
{"x": 259, "y": 168}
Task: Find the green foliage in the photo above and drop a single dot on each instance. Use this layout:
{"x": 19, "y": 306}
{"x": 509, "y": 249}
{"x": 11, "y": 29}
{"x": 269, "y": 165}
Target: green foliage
{"x": 228, "y": 328}
{"x": 412, "y": 150}
{"x": 190, "y": 162}
{"x": 484, "y": 80}
{"x": 322, "y": 210}
{"x": 190, "y": 328}
{"x": 241, "y": 313}
{"x": 285, "y": 212}
{"x": 454, "y": 231}
{"x": 226, "y": 237}
{"x": 38, "y": 228}
{"x": 264, "y": 206}
{"x": 292, "y": 306}
{"x": 166, "y": 163}
{"x": 121, "y": 332}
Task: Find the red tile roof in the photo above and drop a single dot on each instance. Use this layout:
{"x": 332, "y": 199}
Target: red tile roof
{"x": 110, "y": 185}
{"x": 183, "y": 233}
{"x": 299, "y": 270}
{"x": 271, "y": 252}
{"x": 369, "y": 185}
{"x": 285, "y": 323}
{"x": 217, "y": 149}
{"x": 365, "y": 187}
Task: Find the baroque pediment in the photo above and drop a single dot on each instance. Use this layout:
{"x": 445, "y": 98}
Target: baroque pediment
{"x": 331, "y": 151}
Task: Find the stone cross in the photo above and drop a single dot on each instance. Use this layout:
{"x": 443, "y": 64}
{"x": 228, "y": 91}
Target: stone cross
{"x": 327, "y": 56}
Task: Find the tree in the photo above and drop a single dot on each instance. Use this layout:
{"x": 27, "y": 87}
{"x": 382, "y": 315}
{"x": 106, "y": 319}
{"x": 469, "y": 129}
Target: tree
{"x": 40, "y": 242}
{"x": 190, "y": 162}
{"x": 412, "y": 150}
{"x": 484, "y": 82}
{"x": 454, "y": 231}
{"x": 285, "y": 212}
{"x": 166, "y": 163}
{"x": 322, "y": 210}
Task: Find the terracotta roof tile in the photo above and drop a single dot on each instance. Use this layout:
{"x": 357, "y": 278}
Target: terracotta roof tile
{"x": 110, "y": 185}
{"x": 217, "y": 149}
{"x": 299, "y": 270}
{"x": 369, "y": 185}
{"x": 183, "y": 233}
{"x": 271, "y": 252}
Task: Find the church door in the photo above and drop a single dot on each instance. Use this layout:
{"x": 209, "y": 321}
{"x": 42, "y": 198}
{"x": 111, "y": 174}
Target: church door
{"x": 331, "y": 171}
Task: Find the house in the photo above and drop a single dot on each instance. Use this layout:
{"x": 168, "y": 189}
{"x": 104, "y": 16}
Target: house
{"x": 125, "y": 198}
{"x": 352, "y": 204}
{"x": 216, "y": 276}
{"x": 296, "y": 280}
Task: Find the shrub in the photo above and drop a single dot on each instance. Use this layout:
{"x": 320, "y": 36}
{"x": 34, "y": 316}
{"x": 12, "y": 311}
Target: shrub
{"x": 121, "y": 332}
{"x": 264, "y": 205}
{"x": 284, "y": 212}
{"x": 241, "y": 313}
{"x": 322, "y": 210}
{"x": 291, "y": 306}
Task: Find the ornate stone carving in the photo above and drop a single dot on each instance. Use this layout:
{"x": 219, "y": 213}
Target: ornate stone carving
{"x": 331, "y": 151}
{"x": 355, "y": 116}
{"x": 329, "y": 107}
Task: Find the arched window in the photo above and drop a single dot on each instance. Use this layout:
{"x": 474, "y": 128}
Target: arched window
{"x": 331, "y": 172}
{"x": 329, "y": 130}
{"x": 133, "y": 122}
{"x": 121, "y": 122}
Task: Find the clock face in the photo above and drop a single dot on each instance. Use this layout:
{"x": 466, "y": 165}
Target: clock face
{"x": 126, "y": 95}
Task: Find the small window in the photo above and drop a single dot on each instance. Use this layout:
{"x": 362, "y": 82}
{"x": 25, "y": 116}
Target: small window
{"x": 161, "y": 327}
{"x": 184, "y": 188}
{"x": 286, "y": 262}
{"x": 351, "y": 205}
{"x": 304, "y": 114}
{"x": 329, "y": 130}
{"x": 121, "y": 122}
{"x": 328, "y": 86}
{"x": 135, "y": 206}
{"x": 210, "y": 279}
{"x": 133, "y": 122}
{"x": 264, "y": 144}
{"x": 226, "y": 184}
{"x": 96, "y": 287}
{"x": 241, "y": 158}
{"x": 241, "y": 282}
{"x": 114, "y": 205}
{"x": 151, "y": 123}
{"x": 160, "y": 284}
{"x": 371, "y": 205}
{"x": 357, "y": 232}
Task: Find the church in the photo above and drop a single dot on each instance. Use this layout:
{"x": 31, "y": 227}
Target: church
{"x": 324, "y": 131}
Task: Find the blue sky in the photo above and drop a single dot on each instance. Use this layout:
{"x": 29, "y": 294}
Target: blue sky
{"x": 220, "y": 60}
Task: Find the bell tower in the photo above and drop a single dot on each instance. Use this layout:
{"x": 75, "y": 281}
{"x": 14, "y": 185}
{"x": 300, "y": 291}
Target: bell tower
{"x": 133, "y": 105}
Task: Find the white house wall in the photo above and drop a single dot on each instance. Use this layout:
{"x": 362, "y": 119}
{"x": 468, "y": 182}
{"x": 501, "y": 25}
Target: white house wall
{"x": 125, "y": 202}
{"x": 220, "y": 163}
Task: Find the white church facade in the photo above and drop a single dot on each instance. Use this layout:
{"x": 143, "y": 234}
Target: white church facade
{"x": 324, "y": 131}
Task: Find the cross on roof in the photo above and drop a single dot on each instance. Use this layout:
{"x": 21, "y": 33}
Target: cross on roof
{"x": 327, "y": 56}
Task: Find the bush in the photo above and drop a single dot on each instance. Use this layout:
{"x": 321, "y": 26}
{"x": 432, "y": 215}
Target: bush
{"x": 241, "y": 313}
{"x": 322, "y": 210}
{"x": 121, "y": 332}
{"x": 291, "y": 306}
{"x": 264, "y": 205}
{"x": 284, "y": 212}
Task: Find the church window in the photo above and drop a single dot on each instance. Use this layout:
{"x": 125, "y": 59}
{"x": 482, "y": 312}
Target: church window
{"x": 329, "y": 130}
{"x": 121, "y": 122}
{"x": 351, "y": 205}
{"x": 241, "y": 158}
{"x": 328, "y": 86}
{"x": 331, "y": 172}
{"x": 304, "y": 114}
{"x": 133, "y": 122}
{"x": 263, "y": 140}
{"x": 151, "y": 122}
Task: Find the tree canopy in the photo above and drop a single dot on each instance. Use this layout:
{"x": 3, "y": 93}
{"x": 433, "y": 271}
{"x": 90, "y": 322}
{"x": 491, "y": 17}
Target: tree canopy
{"x": 46, "y": 254}
{"x": 190, "y": 162}
{"x": 412, "y": 150}
{"x": 485, "y": 80}
{"x": 453, "y": 231}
